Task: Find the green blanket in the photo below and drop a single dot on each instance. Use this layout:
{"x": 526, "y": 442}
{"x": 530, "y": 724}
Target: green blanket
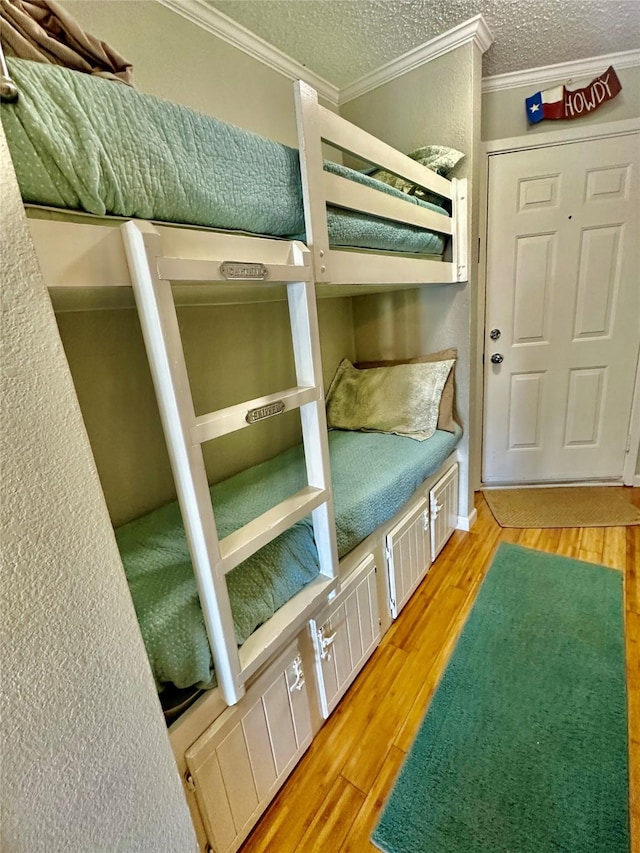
{"x": 373, "y": 477}
{"x": 84, "y": 143}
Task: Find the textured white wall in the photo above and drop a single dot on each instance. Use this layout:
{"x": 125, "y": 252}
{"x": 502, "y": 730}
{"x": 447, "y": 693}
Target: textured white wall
{"x": 175, "y": 59}
{"x": 85, "y": 759}
{"x": 438, "y": 103}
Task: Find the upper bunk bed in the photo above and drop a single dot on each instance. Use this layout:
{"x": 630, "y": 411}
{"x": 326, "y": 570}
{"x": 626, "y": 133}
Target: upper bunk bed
{"x": 129, "y": 193}
{"x": 87, "y": 145}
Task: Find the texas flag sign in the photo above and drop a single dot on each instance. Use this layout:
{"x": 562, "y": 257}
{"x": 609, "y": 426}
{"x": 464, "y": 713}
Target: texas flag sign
{"x": 547, "y": 104}
{"x": 559, "y": 102}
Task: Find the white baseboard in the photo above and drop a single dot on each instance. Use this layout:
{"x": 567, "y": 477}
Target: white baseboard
{"x": 466, "y": 522}
{"x": 636, "y": 480}
{"x": 556, "y": 484}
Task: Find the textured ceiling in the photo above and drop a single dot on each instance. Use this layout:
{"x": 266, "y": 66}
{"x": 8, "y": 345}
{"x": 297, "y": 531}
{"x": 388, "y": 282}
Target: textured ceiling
{"x": 343, "y": 40}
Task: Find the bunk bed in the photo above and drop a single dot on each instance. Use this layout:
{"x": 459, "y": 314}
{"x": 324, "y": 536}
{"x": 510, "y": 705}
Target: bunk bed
{"x": 129, "y": 193}
{"x": 80, "y": 144}
{"x": 374, "y": 475}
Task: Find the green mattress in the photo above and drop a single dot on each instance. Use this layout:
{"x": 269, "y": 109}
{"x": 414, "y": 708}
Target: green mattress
{"x": 80, "y": 142}
{"x": 373, "y": 475}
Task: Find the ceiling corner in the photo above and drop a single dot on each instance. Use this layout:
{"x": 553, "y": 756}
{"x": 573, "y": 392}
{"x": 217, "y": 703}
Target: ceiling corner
{"x": 220, "y": 25}
{"x": 475, "y": 31}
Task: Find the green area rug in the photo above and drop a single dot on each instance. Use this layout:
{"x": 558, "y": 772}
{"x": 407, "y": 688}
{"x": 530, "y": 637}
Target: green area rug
{"x": 524, "y": 746}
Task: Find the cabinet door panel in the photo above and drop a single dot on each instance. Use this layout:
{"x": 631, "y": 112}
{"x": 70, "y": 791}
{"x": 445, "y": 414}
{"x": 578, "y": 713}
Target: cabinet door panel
{"x": 408, "y": 555}
{"x": 346, "y": 634}
{"x": 443, "y": 499}
{"x": 241, "y": 760}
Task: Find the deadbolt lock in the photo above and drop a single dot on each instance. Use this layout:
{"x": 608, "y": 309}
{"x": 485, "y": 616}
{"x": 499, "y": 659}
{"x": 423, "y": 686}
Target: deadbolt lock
{"x": 494, "y": 334}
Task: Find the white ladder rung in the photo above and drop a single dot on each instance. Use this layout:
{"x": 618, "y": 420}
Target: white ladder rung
{"x": 224, "y": 421}
{"x": 151, "y": 275}
{"x": 260, "y": 531}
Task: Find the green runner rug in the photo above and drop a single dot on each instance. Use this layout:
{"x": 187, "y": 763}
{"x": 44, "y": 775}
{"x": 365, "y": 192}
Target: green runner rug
{"x": 524, "y": 746}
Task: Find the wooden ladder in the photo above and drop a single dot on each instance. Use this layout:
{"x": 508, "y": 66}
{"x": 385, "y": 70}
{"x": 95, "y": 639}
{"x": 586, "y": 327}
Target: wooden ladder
{"x": 152, "y": 276}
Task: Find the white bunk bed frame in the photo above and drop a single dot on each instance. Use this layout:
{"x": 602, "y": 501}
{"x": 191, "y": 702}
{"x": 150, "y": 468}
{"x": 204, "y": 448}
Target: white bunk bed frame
{"x": 98, "y": 262}
{"x": 316, "y": 125}
{"x": 149, "y": 258}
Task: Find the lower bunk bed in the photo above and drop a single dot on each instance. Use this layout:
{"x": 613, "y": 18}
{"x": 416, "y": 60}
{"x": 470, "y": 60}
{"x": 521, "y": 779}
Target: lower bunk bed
{"x": 233, "y": 759}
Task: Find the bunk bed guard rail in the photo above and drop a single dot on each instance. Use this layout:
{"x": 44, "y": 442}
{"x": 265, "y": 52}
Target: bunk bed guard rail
{"x": 318, "y": 125}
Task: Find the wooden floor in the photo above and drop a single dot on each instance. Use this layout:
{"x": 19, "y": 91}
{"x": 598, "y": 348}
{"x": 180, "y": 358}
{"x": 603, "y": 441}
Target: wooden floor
{"x": 332, "y": 800}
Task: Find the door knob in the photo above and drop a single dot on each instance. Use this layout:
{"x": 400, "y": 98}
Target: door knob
{"x": 497, "y": 358}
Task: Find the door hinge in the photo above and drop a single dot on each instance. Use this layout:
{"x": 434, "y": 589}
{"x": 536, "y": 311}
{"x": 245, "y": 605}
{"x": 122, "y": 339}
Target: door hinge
{"x": 478, "y": 249}
{"x": 628, "y": 447}
{"x": 189, "y": 782}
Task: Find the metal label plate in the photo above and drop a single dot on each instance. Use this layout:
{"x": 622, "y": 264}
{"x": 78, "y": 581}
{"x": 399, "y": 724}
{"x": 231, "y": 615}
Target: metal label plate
{"x": 255, "y": 415}
{"x": 242, "y": 271}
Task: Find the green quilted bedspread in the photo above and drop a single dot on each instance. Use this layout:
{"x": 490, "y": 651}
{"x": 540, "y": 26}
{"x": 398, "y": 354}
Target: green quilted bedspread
{"x": 373, "y": 477}
{"x": 85, "y": 143}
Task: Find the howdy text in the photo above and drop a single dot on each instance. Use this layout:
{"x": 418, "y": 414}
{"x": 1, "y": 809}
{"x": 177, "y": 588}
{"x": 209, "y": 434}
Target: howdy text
{"x": 585, "y": 100}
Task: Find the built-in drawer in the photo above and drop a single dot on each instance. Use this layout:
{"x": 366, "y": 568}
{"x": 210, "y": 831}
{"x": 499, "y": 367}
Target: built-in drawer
{"x": 408, "y": 553}
{"x": 345, "y": 634}
{"x": 238, "y": 764}
{"x": 443, "y": 509}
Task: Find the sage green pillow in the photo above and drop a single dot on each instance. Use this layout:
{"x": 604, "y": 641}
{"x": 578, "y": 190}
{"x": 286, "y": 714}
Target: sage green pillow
{"x": 438, "y": 158}
{"x": 402, "y": 399}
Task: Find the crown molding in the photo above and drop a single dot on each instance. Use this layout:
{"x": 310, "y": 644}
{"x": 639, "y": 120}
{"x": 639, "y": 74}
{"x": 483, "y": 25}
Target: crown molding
{"x": 205, "y": 16}
{"x": 474, "y": 30}
{"x": 210, "y": 19}
{"x": 534, "y": 77}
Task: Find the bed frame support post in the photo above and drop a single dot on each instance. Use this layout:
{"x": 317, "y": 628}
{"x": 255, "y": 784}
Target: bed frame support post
{"x": 460, "y": 252}
{"x": 306, "y": 350}
{"x": 311, "y": 169}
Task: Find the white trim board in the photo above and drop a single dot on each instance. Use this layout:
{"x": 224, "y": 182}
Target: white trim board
{"x": 551, "y": 484}
{"x": 566, "y": 71}
{"x": 474, "y": 30}
{"x": 564, "y": 135}
{"x": 466, "y": 522}
{"x": 632, "y": 455}
{"x": 220, "y": 25}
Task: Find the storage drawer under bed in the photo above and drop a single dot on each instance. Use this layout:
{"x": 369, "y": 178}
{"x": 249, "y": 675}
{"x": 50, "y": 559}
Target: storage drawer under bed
{"x": 443, "y": 509}
{"x": 408, "y": 553}
{"x": 345, "y": 634}
{"x": 237, "y": 765}
{"x": 418, "y": 537}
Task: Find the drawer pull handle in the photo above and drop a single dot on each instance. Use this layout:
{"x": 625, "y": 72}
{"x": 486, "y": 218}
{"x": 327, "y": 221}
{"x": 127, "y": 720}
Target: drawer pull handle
{"x": 298, "y": 672}
{"x": 325, "y": 643}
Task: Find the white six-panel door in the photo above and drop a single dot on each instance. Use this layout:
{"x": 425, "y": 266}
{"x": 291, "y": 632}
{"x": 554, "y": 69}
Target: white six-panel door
{"x": 563, "y": 293}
